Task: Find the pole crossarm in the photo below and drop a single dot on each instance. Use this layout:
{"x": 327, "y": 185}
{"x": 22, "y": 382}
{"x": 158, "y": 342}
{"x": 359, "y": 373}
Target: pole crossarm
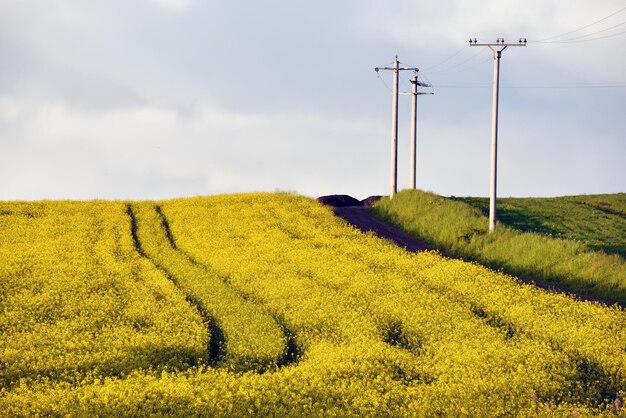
{"x": 399, "y": 68}
{"x": 499, "y": 43}
{"x": 419, "y": 93}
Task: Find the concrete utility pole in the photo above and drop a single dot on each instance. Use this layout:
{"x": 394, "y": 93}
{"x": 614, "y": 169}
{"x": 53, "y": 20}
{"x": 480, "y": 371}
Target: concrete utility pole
{"x": 414, "y": 93}
{"x": 394, "y": 122}
{"x": 497, "y": 49}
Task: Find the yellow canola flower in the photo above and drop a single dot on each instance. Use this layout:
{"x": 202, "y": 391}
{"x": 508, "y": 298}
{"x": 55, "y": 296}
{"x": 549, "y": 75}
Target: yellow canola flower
{"x": 372, "y": 329}
{"x": 71, "y": 287}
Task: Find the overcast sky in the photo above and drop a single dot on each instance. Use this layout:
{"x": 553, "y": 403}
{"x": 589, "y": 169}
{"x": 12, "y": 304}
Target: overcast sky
{"x": 167, "y": 98}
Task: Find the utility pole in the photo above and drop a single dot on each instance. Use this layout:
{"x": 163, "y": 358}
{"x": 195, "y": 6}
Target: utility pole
{"x": 497, "y": 49}
{"x": 414, "y": 93}
{"x": 394, "y": 122}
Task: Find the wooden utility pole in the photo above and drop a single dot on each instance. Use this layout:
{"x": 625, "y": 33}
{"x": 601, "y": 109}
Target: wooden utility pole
{"x": 394, "y": 131}
{"x": 414, "y": 93}
{"x": 497, "y": 49}
{"x": 394, "y": 122}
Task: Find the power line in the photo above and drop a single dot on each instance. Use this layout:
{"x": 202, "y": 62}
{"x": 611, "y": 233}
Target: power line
{"x": 403, "y": 81}
{"x": 383, "y": 81}
{"x": 463, "y": 69}
{"x": 432, "y": 89}
{"x": 447, "y": 70}
{"x": 582, "y": 37}
{"x": 581, "y": 28}
{"x": 592, "y": 33}
{"x": 447, "y": 59}
{"x": 585, "y": 40}
{"x": 534, "y": 86}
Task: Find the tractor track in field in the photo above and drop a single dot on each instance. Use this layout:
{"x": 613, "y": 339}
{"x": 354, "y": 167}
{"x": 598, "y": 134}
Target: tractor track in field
{"x": 215, "y": 349}
{"x": 293, "y": 352}
{"x": 218, "y": 344}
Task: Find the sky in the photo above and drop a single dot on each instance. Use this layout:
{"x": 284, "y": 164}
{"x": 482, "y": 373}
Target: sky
{"x": 154, "y": 99}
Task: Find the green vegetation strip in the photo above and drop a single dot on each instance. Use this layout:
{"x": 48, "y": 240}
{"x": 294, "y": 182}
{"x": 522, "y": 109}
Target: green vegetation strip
{"x": 461, "y": 229}
{"x": 245, "y": 337}
{"x": 599, "y": 221}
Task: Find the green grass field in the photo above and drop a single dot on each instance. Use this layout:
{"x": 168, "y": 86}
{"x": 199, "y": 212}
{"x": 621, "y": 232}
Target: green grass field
{"x": 597, "y": 220}
{"x": 572, "y": 243}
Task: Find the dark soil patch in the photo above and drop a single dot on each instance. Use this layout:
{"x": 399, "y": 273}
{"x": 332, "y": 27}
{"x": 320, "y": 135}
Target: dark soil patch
{"x": 339, "y": 200}
{"x": 369, "y": 201}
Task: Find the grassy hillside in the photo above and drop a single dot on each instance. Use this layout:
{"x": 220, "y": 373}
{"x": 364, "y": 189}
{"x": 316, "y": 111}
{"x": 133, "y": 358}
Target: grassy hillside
{"x": 526, "y": 242}
{"x": 597, "y": 220}
{"x": 268, "y": 304}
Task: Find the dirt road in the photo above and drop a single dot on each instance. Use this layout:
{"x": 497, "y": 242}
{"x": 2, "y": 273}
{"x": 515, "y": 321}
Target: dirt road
{"x": 359, "y": 217}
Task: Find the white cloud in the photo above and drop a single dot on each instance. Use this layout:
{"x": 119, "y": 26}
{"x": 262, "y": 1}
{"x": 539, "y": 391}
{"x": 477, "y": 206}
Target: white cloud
{"x": 144, "y": 99}
{"x": 58, "y": 151}
{"x": 176, "y": 6}
{"x": 53, "y": 150}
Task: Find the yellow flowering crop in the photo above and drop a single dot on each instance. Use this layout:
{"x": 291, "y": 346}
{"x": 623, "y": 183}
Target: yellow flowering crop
{"x": 251, "y": 339}
{"x": 318, "y": 319}
{"x": 76, "y": 297}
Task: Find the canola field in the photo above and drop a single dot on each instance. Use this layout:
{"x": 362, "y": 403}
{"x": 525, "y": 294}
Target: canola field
{"x": 267, "y": 304}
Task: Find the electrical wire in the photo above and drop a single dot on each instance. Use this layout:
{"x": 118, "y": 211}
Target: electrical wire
{"x": 593, "y": 33}
{"x": 447, "y": 70}
{"x": 582, "y": 37}
{"x": 570, "y": 41}
{"x": 459, "y": 67}
{"x": 432, "y": 88}
{"x": 618, "y": 84}
{"x": 461, "y": 70}
{"x": 447, "y": 59}
{"x": 385, "y": 65}
{"x": 405, "y": 64}
{"x": 383, "y": 81}
{"x": 405, "y": 84}
{"x": 597, "y": 85}
{"x": 579, "y": 29}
